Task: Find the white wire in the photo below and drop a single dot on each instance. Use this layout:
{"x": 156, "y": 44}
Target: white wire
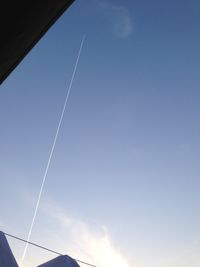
{"x": 51, "y": 152}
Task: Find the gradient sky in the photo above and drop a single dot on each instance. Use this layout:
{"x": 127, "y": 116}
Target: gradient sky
{"x": 124, "y": 181}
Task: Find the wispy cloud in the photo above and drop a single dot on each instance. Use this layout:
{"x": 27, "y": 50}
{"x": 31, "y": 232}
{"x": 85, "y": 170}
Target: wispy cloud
{"x": 119, "y": 17}
{"x": 83, "y": 241}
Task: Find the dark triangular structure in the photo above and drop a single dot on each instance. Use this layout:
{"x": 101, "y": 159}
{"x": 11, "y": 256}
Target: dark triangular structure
{"x": 8, "y": 260}
{"x": 22, "y": 24}
{"x": 6, "y": 257}
{"x": 61, "y": 261}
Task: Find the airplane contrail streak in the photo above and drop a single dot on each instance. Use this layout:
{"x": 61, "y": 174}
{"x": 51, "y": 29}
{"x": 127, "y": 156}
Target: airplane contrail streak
{"x": 52, "y": 151}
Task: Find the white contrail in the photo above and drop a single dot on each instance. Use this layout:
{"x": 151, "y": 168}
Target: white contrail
{"x": 51, "y": 152}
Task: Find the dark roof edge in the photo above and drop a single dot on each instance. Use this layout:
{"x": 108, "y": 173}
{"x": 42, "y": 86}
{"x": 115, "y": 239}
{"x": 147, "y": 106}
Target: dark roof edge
{"x": 38, "y": 37}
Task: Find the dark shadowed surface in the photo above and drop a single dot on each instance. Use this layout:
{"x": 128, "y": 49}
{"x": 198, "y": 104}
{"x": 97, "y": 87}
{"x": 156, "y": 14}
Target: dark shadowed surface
{"x": 6, "y": 257}
{"x": 61, "y": 261}
{"x": 22, "y": 24}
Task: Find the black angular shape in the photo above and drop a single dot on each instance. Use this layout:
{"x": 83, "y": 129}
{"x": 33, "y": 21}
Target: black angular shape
{"x": 22, "y": 24}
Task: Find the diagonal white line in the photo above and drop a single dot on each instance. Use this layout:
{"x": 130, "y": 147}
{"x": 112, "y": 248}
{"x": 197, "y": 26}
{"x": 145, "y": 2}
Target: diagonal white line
{"x": 51, "y": 152}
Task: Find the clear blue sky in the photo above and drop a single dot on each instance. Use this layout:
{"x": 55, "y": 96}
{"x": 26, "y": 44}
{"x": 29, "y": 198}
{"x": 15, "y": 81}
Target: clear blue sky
{"x": 123, "y": 185}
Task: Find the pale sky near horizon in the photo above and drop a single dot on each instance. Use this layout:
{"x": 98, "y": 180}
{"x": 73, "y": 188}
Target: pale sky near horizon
{"x": 123, "y": 185}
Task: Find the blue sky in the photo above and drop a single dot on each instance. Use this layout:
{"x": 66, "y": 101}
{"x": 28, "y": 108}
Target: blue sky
{"x": 123, "y": 185}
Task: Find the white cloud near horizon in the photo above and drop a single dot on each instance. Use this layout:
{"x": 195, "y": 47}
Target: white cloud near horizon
{"x": 85, "y": 242}
{"x": 119, "y": 17}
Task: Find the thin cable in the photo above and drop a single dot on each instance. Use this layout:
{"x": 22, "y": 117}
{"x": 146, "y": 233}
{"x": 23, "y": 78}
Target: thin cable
{"x": 51, "y": 152}
{"x": 47, "y": 249}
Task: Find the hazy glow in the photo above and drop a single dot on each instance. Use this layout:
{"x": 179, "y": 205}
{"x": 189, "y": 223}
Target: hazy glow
{"x": 119, "y": 17}
{"x": 87, "y": 243}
